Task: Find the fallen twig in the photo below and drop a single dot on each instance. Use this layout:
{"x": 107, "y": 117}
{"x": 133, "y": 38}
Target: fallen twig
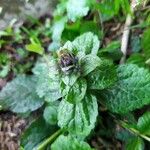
{"x": 126, "y": 31}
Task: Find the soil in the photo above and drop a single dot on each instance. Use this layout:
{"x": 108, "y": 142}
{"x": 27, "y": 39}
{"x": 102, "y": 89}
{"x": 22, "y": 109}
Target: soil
{"x": 11, "y": 128}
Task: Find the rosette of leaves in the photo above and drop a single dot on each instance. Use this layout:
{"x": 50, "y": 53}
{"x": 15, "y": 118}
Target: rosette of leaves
{"x": 79, "y": 63}
{"x": 68, "y": 81}
{"x": 65, "y": 78}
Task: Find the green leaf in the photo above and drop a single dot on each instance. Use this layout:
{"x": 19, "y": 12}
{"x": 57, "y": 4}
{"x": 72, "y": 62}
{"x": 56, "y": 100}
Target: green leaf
{"x": 60, "y": 9}
{"x": 123, "y": 135}
{"x": 132, "y": 90}
{"x": 135, "y": 144}
{"x": 77, "y": 9}
{"x": 50, "y": 114}
{"x": 106, "y": 9}
{"x": 103, "y": 76}
{"x": 90, "y": 26}
{"x": 69, "y": 143}
{"x": 80, "y": 118}
{"x": 137, "y": 59}
{"x": 69, "y": 46}
{"x": 135, "y": 44}
{"x": 35, "y": 47}
{"x": 48, "y": 84}
{"x": 4, "y": 58}
{"x": 76, "y": 92}
{"x": 125, "y": 6}
{"x": 36, "y": 133}
{"x": 89, "y": 63}
{"x": 87, "y": 43}
{"x": 19, "y": 95}
{"x": 143, "y": 124}
{"x": 145, "y": 42}
{"x": 54, "y": 46}
{"x": 70, "y": 79}
{"x": 5, "y": 70}
{"x": 111, "y": 51}
{"x": 57, "y": 30}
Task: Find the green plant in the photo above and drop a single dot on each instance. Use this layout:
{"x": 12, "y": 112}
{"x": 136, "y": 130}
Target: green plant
{"x": 78, "y": 84}
{"x": 72, "y": 81}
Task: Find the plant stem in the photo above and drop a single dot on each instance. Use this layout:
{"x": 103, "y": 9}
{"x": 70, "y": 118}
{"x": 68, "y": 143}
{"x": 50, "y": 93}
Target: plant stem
{"x": 49, "y": 140}
{"x": 141, "y": 135}
{"x": 133, "y": 130}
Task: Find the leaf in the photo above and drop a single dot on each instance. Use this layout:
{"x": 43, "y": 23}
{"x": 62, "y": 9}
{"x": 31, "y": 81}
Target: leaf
{"x": 76, "y": 92}
{"x": 89, "y": 63}
{"x": 35, "y": 47}
{"x": 19, "y": 95}
{"x": 69, "y": 46}
{"x": 77, "y": 9}
{"x": 48, "y": 84}
{"x": 87, "y": 43}
{"x": 36, "y": 133}
{"x": 143, "y": 124}
{"x": 132, "y": 90}
{"x": 54, "y": 46}
{"x": 103, "y": 76}
{"x": 80, "y": 118}
{"x": 60, "y": 9}
{"x": 70, "y": 79}
{"x": 50, "y": 114}
{"x": 69, "y": 143}
{"x": 79, "y": 27}
{"x": 4, "y": 71}
{"x": 106, "y": 9}
{"x": 4, "y": 58}
{"x": 135, "y": 144}
{"x": 111, "y": 51}
{"x": 137, "y": 59}
{"x": 90, "y": 26}
{"x": 145, "y": 42}
{"x": 125, "y": 7}
{"x": 123, "y": 135}
{"x": 57, "y": 30}
{"x": 135, "y": 44}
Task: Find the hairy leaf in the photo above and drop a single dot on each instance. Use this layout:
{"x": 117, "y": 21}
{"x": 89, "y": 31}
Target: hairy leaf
{"x": 57, "y": 30}
{"x": 76, "y": 92}
{"x": 80, "y": 118}
{"x": 69, "y": 143}
{"x": 77, "y": 9}
{"x": 48, "y": 80}
{"x": 50, "y": 114}
{"x": 87, "y": 43}
{"x": 103, "y": 76}
{"x": 89, "y": 63}
{"x": 19, "y": 95}
{"x": 70, "y": 79}
{"x": 132, "y": 90}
